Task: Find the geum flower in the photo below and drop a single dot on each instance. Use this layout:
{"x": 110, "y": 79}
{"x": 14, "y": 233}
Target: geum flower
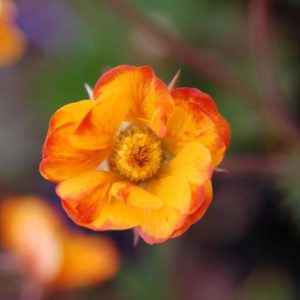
{"x": 12, "y": 41}
{"x": 48, "y": 253}
{"x": 136, "y": 155}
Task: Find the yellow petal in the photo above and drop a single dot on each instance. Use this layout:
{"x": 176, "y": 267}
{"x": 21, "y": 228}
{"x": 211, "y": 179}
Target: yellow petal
{"x": 115, "y": 214}
{"x": 192, "y": 165}
{"x": 159, "y": 225}
{"x": 204, "y": 196}
{"x": 135, "y": 196}
{"x": 193, "y": 162}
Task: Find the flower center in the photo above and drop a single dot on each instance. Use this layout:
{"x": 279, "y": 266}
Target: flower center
{"x": 137, "y": 153}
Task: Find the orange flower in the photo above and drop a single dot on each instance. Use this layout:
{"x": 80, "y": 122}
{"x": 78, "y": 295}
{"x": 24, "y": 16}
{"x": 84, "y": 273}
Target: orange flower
{"x": 48, "y": 252}
{"x": 136, "y": 155}
{"x": 12, "y": 42}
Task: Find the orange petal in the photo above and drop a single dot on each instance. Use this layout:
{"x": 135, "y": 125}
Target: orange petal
{"x": 193, "y": 162}
{"x": 62, "y": 161}
{"x": 32, "y": 232}
{"x": 12, "y": 43}
{"x": 50, "y": 254}
{"x": 202, "y": 195}
{"x": 192, "y": 165}
{"x": 148, "y": 97}
{"x": 70, "y": 113}
{"x": 196, "y": 118}
{"x": 7, "y": 10}
{"x": 135, "y": 196}
{"x": 159, "y": 225}
{"x": 87, "y": 201}
{"x": 84, "y": 194}
{"x": 98, "y": 128}
{"x": 87, "y": 260}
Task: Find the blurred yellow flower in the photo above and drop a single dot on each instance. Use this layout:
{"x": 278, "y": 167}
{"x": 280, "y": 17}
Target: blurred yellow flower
{"x": 136, "y": 155}
{"x": 12, "y": 41}
{"x": 50, "y": 254}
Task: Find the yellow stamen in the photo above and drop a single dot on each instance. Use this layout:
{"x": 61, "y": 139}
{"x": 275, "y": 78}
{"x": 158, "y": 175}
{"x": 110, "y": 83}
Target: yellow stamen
{"x": 137, "y": 154}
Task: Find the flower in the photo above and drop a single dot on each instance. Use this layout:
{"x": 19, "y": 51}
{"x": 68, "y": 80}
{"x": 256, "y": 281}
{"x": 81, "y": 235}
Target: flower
{"x": 49, "y": 254}
{"x": 136, "y": 155}
{"x": 12, "y": 42}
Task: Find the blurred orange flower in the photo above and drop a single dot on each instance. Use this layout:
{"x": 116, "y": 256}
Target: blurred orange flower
{"x": 48, "y": 252}
{"x": 12, "y": 42}
{"x": 136, "y": 155}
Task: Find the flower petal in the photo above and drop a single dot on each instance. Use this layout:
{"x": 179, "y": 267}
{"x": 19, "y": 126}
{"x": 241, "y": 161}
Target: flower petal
{"x": 192, "y": 165}
{"x": 62, "y": 161}
{"x": 196, "y": 118}
{"x": 8, "y": 10}
{"x": 149, "y": 99}
{"x": 70, "y": 113}
{"x": 12, "y": 43}
{"x": 135, "y": 196}
{"x": 204, "y": 196}
{"x": 193, "y": 162}
{"x": 115, "y": 214}
{"x": 97, "y": 129}
{"x": 84, "y": 194}
{"x": 32, "y": 231}
{"x": 87, "y": 201}
{"x": 159, "y": 225}
{"x": 87, "y": 260}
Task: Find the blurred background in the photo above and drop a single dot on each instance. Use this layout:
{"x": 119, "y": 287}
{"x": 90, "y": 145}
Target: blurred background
{"x": 245, "y": 54}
